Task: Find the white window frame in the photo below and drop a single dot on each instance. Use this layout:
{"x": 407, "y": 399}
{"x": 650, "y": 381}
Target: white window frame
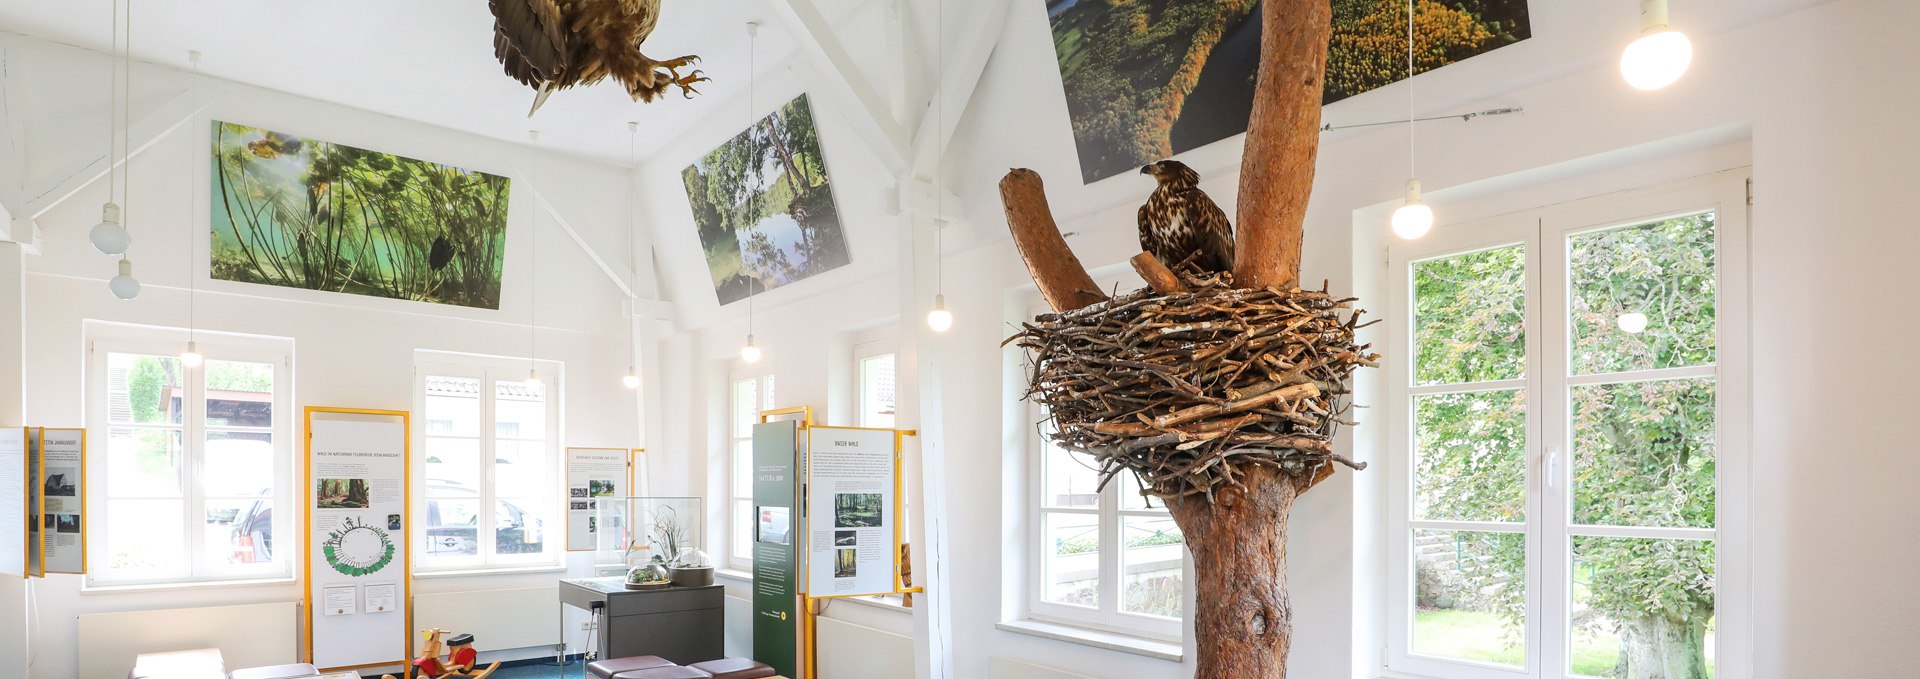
{"x": 489, "y": 370}
{"x": 861, "y": 354}
{"x": 1544, "y": 233}
{"x": 106, "y": 339}
{"x": 737, "y": 519}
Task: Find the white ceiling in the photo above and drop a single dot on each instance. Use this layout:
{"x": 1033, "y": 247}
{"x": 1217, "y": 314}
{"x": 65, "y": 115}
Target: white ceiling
{"x": 424, "y": 60}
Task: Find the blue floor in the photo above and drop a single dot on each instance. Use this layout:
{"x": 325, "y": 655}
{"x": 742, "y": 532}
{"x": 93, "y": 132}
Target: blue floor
{"x": 543, "y": 669}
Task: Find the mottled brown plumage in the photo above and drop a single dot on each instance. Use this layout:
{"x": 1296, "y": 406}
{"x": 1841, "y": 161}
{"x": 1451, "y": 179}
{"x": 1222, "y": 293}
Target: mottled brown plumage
{"x": 552, "y": 45}
{"x": 1179, "y": 220}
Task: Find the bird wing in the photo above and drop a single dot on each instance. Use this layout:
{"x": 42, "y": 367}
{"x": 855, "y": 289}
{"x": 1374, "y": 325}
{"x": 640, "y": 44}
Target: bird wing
{"x": 529, "y": 38}
{"x": 1214, "y": 231}
{"x": 1146, "y": 226}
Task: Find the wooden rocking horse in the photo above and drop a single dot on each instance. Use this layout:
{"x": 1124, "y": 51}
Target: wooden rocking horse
{"x": 457, "y": 665}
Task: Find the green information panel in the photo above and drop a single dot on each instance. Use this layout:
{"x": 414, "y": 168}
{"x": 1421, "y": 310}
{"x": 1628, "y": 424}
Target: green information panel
{"x": 776, "y": 614}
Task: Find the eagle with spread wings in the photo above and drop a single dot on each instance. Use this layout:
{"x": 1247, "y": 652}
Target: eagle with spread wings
{"x": 552, "y": 45}
{"x": 1180, "y": 221}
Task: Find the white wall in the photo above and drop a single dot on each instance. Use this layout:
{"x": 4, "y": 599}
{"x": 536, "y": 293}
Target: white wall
{"x": 349, "y": 350}
{"x": 1822, "y": 99}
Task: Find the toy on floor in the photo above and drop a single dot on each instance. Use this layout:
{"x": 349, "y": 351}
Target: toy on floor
{"x": 458, "y": 663}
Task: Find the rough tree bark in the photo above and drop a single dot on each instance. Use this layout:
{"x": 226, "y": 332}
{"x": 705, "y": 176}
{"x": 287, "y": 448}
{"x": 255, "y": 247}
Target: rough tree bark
{"x": 1283, "y": 141}
{"x": 1661, "y": 647}
{"x": 1243, "y": 621}
{"x": 1058, "y": 273}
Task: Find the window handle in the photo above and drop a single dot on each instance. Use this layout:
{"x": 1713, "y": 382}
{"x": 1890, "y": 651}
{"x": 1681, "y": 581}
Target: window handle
{"x": 1553, "y": 468}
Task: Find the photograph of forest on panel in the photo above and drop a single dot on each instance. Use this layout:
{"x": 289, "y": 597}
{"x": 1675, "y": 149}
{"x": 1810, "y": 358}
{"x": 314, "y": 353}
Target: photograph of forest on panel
{"x": 764, "y": 207}
{"x": 1147, "y": 80}
{"x": 302, "y": 213}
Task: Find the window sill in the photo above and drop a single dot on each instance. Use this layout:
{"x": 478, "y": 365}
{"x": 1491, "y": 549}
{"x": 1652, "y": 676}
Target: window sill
{"x": 1111, "y": 641}
{"x": 733, "y": 574}
{"x": 471, "y": 572}
{"x": 88, "y": 588}
{"x": 885, "y": 603}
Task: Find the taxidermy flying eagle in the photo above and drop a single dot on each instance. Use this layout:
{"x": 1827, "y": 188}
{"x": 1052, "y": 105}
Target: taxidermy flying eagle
{"x": 1179, "y": 221}
{"x": 556, "y": 44}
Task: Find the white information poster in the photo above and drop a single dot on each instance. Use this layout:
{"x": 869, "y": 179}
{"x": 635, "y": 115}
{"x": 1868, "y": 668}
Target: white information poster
{"x": 36, "y": 558}
{"x": 594, "y": 475}
{"x": 850, "y": 540}
{"x": 13, "y": 501}
{"x": 63, "y": 526}
{"x": 357, "y": 495}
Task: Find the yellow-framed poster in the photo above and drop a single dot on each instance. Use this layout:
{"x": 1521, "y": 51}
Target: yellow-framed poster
{"x": 593, "y": 475}
{"x": 359, "y": 487}
{"x": 63, "y": 500}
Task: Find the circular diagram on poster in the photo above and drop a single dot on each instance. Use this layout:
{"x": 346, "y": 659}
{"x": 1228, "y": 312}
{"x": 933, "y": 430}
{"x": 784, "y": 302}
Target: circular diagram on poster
{"x": 358, "y": 549}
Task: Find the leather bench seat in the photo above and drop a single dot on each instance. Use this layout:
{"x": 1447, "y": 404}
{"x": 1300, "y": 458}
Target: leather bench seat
{"x": 734, "y": 668}
{"x": 665, "y": 672}
{"x": 606, "y": 669}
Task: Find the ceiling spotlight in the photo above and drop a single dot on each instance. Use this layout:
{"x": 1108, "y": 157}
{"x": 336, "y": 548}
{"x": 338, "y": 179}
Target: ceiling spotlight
{"x": 631, "y": 379}
{"x": 192, "y": 358}
{"x": 109, "y": 237}
{"x": 940, "y": 319}
{"x": 1413, "y": 219}
{"x": 1661, "y": 55}
{"x": 124, "y": 286}
{"x": 1632, "y": 323}
{"x": 751, "y": 352}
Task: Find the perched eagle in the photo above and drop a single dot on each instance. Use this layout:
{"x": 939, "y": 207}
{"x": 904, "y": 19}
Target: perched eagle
{"x": 1179, "y": 220}
{"x": 556, "y": 44}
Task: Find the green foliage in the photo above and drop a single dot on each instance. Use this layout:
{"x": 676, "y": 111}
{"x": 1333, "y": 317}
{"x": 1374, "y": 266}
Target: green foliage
{"x": 1643, "y": 451}
{"x": 235, "y": 376}
{"x": 146, "y": 381}
{"x": 322, "y": 216}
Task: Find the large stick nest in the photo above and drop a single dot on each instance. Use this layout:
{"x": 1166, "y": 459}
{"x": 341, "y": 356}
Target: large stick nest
{"x": 1189, "y": 390}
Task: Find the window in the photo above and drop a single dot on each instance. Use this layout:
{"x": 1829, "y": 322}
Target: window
{"x": 487, "y": 456}
{"x": 1108, "y": 559}
{"x": 196, "y": 475}
{"x": 1563, "y": 430}
{"x": 750, "y": 396}
{"x": 877, "y": 365}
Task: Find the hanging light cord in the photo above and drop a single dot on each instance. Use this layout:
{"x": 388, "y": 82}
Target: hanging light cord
{"x": 533, "y": 250}
{"x": 753, "y": 70}
{"x": 193, "y": 197}
{"x": 633, "y": 262}
{"x": 113, "y": 126}
{"x": 939, "y": 166}
{"x": 1410, "y": 120}
{"x": 126, "y": 116}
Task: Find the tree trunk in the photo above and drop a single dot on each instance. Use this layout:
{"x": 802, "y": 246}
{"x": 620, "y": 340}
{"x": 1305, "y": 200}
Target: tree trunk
{"x": 1661, "y": 647}
{"x": 1242, "y": 620}
{"x": 1056, "y": 271}
{"x": 1283, "y": 141}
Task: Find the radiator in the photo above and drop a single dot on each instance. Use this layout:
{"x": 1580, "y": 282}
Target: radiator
{"x": 498, "y": 619}
{"x": 849, "y": 651}
{"x": 1002, "y": 668}
{"x": 247, "y": 636}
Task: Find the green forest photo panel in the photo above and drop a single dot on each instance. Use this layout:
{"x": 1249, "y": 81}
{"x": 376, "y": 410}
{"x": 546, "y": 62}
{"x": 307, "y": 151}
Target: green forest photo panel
{"x": 302, "y": 213}
{"x": 1147, "y": 80}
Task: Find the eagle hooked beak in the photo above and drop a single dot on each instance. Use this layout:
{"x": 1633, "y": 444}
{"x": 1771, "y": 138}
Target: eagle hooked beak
{"x": 1146, "y": 169}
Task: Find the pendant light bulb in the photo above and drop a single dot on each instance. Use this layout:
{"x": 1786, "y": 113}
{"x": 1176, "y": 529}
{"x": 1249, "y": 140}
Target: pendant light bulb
{"x": 940, "y": 319}
{"x": 109, "y": 236}
{"x": 533, "y": 378}
{"x": 192, "y": 358}
{"x": 124, "y": 286}
{"x": 1632, "y": 323}
{"x": 1661, "y": 55}
{"x": 751, "y": 352}
{"x": 631, "y": 379}
{"x": 1413, "y": 219}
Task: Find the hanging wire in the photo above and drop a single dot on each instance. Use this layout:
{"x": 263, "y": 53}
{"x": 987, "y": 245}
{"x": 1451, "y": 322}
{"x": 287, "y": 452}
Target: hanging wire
{"x": 533, "y": 250}
{"x": 753, "y": 70}
{"x": 126, "y": 117}
{"x": 633, "y": 266}
{"x": 193, "y": 198}
{"x": 939, "y": 162}
{"x": 1410, "y": 121}
{"x": 113, "y": 125}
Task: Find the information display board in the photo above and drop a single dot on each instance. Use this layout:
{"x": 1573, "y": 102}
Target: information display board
{"x": 36, "y": 559}
{"x": 357, "y": 548}
{"x": 850, "y": 511}
{"x": 63, "y": 500}
{"x": 593, "y": 475}
{"x": 776, "y": 615}
{"x": 13, "y": 501}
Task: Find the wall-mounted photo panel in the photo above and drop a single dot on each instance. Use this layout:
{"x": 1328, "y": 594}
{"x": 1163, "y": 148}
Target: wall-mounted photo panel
{"x": 850, "y": 512}
{"x": 593, "y": 475}
{"x": 1148, "y": 80}
{"x": 304, "y": 213}
{"x": 63, "y": 500}
{"x": 36, "y": 554}
{"x": 357, "y": 547}
{"x": 764, "y": 207}
{"x": 13, "y": 501}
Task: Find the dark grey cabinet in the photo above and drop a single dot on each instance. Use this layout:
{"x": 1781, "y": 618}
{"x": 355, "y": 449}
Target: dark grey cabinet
{"x": 683, "y": 624}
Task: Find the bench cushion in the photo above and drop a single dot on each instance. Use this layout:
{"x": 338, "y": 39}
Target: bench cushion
{"x": 734, "y": 668}
{"x": 666, "y": 672}
{"x": 605, "y": 669}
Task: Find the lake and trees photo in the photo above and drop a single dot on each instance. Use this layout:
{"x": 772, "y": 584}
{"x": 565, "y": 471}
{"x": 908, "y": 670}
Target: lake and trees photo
{"x": 764, "y": 207}
{"x": 303, "y": 213}
{"x": 1148, "y": 79}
